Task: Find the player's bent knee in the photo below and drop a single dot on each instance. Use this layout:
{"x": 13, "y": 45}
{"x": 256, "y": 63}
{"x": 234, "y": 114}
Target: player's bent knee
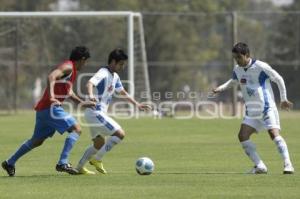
{"x": 37, "y": 142}
{"x": 120, "y": 133}
{"x": 98, "y": 142}
{"x": 243, "y": 137}
{"x": 273, "y": 133}
{"x": 240, "y": 137}
{"x": 75, "y": 128}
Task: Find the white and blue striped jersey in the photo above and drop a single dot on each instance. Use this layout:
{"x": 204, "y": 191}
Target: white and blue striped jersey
{"x": 106, "y": 83}
{"x": 254, "y": 81}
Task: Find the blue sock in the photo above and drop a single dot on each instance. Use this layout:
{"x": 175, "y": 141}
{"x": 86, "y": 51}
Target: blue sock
{"x": 24, "y": 148}
{"x": 69, "y": 143}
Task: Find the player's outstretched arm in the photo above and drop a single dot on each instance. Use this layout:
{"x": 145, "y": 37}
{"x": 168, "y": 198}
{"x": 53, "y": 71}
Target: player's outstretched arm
{"x": 221, "y": 88}
{"x": 224, "y": 86}
{"x": 142, "y": 107}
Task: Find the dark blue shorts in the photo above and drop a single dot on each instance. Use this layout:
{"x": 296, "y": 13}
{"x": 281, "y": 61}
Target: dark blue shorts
{"x": 50, "y": 120}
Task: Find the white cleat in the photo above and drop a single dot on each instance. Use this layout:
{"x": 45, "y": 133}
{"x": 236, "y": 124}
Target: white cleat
{"x": 288, "y": 169}
{"x": 258, "y": 170}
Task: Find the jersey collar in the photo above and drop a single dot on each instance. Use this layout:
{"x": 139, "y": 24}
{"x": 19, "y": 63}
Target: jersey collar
{"x": 109, "y": 69}
{"x": 251, "y": 62}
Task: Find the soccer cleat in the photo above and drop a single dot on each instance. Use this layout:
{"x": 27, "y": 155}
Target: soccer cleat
{"x": 98, "y": 165}
{"x": 66, "y": 168}
{"x": 10, "y": 169}
{"x": 85, "y": 171}
{"x": 288, "y": 169}
{"x": 258, "y": 170}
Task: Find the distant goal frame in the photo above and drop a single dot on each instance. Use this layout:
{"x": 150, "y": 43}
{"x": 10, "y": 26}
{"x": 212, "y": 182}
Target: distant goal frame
{"x": 130, "y": 37}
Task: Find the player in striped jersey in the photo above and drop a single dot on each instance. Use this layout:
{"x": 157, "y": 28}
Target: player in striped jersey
{"x": 107, "y": 82}
{"x": 253, "y": 77}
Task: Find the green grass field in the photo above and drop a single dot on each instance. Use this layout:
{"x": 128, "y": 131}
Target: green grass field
{"x": 193, "y": 159}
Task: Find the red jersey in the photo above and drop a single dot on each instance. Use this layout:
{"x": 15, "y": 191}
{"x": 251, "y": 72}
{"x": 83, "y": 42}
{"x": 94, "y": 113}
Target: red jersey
{"x": 61, "y": 89}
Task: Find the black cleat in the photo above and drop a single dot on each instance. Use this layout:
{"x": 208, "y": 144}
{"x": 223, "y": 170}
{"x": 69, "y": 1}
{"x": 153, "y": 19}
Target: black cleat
{"x": 8, "y": 168}
{"x": 66, "y": 168}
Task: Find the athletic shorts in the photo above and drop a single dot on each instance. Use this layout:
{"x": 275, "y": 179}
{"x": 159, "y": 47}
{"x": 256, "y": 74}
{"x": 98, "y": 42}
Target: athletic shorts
{"x": 100, "y": 123}
{"x": 269, "y": 120}
{"x": 50, "y": 120}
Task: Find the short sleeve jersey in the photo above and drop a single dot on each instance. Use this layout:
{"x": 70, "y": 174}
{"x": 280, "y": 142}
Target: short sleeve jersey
{"x": 106, "y": 83}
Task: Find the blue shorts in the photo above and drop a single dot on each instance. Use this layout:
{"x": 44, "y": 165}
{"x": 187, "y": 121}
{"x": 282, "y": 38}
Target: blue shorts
{"x": 50, "y": 120}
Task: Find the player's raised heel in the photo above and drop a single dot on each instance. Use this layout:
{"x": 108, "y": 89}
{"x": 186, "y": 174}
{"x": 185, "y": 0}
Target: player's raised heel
{"x": 66, "y": 168}
{"x": 98, "y": 165}
{"x": 288, "y": 169}
{"x": 8, "y": 168}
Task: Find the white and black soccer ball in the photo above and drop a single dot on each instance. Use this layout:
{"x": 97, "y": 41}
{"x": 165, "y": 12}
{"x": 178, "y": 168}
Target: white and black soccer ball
{"x": 144, "y": 166}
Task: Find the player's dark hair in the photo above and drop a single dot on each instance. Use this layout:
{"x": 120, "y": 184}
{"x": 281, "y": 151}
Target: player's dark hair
{"x": 118, "y": 55}
{"x": 79, "y": 52}
{"x": 241, "y": 48}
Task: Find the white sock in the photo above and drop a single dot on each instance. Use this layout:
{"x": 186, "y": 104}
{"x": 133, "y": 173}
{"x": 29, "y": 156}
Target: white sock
{"x": 282, "y": 149}
{"x": 250, "y": 150}
{"x": 89, "y": 152}
{"x": 110, "y": 143}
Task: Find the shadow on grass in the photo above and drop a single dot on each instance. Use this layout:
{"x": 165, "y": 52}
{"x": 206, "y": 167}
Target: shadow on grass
{"x": 40, "y": 176}
{"x": 130, "y": 173}
{"x": 200, "y": 173}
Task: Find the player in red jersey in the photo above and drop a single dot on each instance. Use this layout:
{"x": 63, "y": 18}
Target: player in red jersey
{"x": 51, "y": 117}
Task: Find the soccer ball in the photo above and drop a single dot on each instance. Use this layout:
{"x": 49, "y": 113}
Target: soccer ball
{"x": 144, "y": 166}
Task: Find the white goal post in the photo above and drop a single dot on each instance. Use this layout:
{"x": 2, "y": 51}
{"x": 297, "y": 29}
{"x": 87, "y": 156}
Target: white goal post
{"x": 130, "y": 17}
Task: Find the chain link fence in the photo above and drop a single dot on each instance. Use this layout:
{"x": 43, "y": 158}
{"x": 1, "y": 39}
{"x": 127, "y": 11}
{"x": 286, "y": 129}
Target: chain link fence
{"x": 186, "y": 52}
